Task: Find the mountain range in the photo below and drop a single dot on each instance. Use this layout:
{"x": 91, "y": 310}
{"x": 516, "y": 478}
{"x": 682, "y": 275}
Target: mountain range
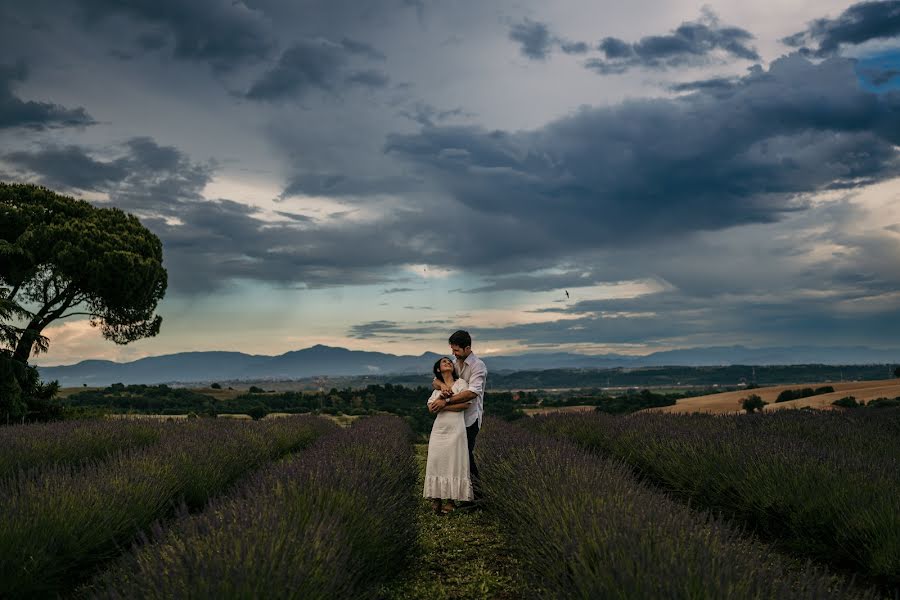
{"x": 319, "y": 360}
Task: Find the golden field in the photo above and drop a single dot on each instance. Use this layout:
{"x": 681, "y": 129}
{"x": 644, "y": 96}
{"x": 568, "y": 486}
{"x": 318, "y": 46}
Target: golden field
{"x": 730, "y": 402}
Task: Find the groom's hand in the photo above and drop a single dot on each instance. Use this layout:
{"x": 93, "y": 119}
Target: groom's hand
{"x": 437, "y": 406}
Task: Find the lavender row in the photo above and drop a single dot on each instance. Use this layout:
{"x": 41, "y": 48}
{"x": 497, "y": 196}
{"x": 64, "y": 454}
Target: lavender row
{"x": 60, "y": 522}
{"x": 824, "y": 484}
{"x": 333, "y": 522}
{"x": 584, "y": 527}
{"x": 25, "y": 447}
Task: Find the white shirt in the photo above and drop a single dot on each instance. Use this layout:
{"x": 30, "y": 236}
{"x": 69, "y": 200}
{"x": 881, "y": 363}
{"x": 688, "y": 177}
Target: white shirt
{"x": 474, "y": 371}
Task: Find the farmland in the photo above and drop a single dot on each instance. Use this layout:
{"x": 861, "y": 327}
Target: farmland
{"x": 730, "y": 402}
{"x": 792, "y": 504}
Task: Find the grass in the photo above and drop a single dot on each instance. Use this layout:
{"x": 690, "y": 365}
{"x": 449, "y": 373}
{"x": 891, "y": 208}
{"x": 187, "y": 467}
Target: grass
{"x": 458, "y": 556}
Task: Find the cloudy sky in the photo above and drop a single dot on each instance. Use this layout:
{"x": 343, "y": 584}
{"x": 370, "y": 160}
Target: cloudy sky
{"x": 377, "y": 174}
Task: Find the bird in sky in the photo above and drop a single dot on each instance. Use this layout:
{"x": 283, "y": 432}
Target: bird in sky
{"x": 567, "y": 293}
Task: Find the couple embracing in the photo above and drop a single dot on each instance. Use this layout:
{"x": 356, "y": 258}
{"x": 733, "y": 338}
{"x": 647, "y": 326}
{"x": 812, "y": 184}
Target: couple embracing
{"x": 451, "y": 475}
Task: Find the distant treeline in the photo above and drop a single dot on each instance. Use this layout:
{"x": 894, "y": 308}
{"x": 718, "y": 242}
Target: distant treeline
{"x": 643, "y": 377}
{"x": 406, "y": 402}
{"x": 688, "y": 376}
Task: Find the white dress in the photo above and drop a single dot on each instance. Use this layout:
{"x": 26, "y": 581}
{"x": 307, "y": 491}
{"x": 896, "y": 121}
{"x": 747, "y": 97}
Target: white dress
{"x": 447, "y": 469}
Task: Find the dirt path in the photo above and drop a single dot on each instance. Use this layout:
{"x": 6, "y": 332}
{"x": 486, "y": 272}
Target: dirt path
{"x": 461, "y": 555}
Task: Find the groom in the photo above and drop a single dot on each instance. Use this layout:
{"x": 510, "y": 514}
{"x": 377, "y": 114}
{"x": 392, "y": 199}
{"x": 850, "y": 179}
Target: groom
{"x": 470, "y": 368}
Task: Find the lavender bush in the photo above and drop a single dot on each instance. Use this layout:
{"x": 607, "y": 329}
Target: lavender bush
{"x": 584, "y": 527}
{"x": 332, "y": 522}
{"x": 826, "y": 485}
{"x": 37, "y": 445}
{"x": 58, "y": 522}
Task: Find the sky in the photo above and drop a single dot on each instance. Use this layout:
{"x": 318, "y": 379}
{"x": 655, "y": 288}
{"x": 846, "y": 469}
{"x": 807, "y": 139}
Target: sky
{"x": 581, "y": 176}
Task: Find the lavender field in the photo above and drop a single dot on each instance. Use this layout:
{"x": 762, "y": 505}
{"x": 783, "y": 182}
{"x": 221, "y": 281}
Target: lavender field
{"x": 794, "y": 504}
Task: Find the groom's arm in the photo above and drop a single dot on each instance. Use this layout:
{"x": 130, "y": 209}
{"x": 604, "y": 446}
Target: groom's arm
{"x": 476, "y": 386}
{"x": 459, "y": 407}
{"x": 461, "y": 397}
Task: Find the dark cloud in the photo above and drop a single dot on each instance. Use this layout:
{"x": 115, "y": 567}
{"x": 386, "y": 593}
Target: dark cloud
{"x": 222, "y": 33}
{"x": 860, "y": 23}
{"x": 713, "y": 84}
{"x": 426, "y": 114}
{"x": 692, "y": 43}
{"x": 368, "y": 78}
{"x": 574, "y": 47}
{"x": 69, "y": 167}
{"x": 679, "y": 319}
{"x": 295, "y": 217}
{"x": 307, "y": 65}
{"x": 144, "y": 177}
{"x": 536, "y": 41}
{"x": 545, "y": 282}
{"x": 397, "y": 290}
{"x": 534, "y": 38}
{"x": 339, "y": 185}
{"x": 314, "y": 64}
{"x": 357, "y": 47}
{"x": 654, "y": 169}
{"x": 382, "y": 329}
{"x": 209, "y": 243}
{"x": 15, "y": 112}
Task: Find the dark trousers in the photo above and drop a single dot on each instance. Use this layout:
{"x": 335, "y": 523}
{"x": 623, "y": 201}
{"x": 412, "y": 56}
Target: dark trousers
{"x": 471, "y": 434}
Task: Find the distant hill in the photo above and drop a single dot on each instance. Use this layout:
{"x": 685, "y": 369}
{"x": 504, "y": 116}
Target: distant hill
{"x": 193, "y": 367}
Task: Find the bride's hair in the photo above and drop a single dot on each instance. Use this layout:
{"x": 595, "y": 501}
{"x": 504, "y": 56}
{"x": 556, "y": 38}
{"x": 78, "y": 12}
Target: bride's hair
{"x": 437, "y": 369}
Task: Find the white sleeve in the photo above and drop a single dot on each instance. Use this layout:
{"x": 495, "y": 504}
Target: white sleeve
{"x": 434, "y": 396}
{"x": 477, "y": 378}
{"x": 459, "y": 385}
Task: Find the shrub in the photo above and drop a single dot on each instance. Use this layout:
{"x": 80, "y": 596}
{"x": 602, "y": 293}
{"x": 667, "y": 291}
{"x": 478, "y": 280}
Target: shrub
{"x": 847, "y": 402}
{"x": 752, "y": 403}
{"x": 787, "y": 395}
{"x": 257, "y": 412}
{"x": 884, "y": 403}
{"x": 216, "y": 386}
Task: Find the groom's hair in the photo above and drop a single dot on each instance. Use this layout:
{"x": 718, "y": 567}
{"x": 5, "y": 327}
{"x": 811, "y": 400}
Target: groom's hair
{"x": 437, "y": 369}
{"x": 461, "y": 338}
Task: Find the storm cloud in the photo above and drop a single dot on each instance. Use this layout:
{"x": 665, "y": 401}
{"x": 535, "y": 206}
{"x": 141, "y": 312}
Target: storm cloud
{"x": 858, "y": 24}
{"x": 388, "y": 154}
{"x": 223, "y": 33}
{"x": 664, "y": 168}
{"x": 692, "y": 43}
{"x": 15, "y": 112}
{"x": 315, "y": 64}
{"x": 537, "y": 42}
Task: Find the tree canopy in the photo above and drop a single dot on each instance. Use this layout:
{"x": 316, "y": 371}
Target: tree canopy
{"x": 61, "y": 257}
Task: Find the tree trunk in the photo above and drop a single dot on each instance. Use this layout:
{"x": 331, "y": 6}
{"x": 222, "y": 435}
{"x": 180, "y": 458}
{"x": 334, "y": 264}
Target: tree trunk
{"x": 26, "y": 342}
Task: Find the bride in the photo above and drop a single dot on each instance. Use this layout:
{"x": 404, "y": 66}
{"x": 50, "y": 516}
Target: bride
{"x": 447, "y": 469}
